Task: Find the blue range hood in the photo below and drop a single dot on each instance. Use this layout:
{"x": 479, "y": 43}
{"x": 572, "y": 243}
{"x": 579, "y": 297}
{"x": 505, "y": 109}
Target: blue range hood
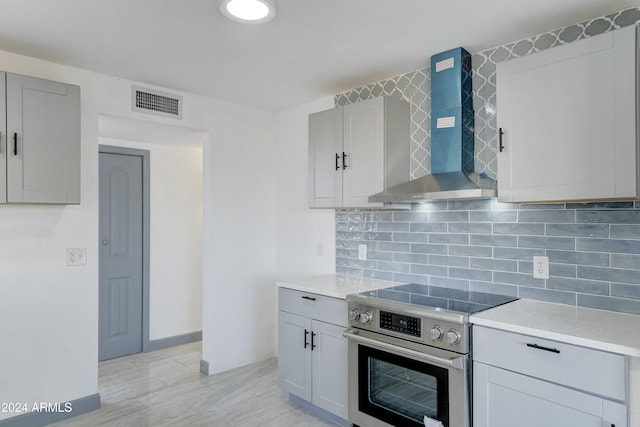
{"x": 452, "y": 146}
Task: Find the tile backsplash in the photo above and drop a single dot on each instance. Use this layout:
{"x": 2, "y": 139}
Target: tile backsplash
{"x": 484, "y": 245}
{"x": 487, "y": 246}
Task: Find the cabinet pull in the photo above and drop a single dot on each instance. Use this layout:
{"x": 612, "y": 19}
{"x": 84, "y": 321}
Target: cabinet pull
{"x": 15, "y": 143}
{"x": 309, "y": 298}
{"x": 539, "y": 347}
{"x": 500, "y": 134}
{"x": 337, "y": 158}
{"x": 344, "y": 160}
{"x": 306, "y": 334}
{"x": 313, "y": 335}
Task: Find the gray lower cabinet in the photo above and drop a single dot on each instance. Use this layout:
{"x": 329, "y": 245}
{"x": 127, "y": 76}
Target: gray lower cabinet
{"x": 39, "y": 140}
{"x": 312, "y": 353}
{"x": 525, "y": 381}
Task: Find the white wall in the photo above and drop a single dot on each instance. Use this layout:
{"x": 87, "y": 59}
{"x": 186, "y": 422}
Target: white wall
{"x": 240, "y": 193}
{"x": 300, "y": 229}
{"x": 49, "y": 312}
{"x": 175, "y": 276}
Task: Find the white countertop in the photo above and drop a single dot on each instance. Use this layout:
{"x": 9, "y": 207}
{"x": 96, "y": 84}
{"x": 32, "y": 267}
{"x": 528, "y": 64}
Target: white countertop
{"x": 335, "y": 285}
{"x": 603, "y": 330}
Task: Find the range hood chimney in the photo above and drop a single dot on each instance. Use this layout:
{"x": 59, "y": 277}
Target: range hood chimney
{"x": 452, "y": 148}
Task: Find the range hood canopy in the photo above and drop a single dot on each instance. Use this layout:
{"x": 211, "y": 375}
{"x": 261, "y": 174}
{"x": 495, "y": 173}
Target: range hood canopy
{"x": 452, "y": 145}
{"x": 440, "y": 186}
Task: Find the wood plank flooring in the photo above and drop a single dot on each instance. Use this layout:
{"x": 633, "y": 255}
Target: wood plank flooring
{"x": 165, "y": 388}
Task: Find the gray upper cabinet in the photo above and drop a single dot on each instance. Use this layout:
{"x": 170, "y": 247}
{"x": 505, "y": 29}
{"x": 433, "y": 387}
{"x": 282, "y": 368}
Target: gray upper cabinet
{"x": 40, "y": 141}
{"x": 356, "y": 151}
{"x": 568, "y": 122}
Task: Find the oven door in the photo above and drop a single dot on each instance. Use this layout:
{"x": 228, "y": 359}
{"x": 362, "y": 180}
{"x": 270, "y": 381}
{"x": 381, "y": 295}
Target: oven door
{"x": 393, "y": 382}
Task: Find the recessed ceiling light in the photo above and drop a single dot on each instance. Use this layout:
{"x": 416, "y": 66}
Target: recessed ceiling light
{"x": 249, "y": 11}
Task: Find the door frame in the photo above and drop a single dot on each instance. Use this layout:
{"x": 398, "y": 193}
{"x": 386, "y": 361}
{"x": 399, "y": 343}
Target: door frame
{"x": 146, "y": 203}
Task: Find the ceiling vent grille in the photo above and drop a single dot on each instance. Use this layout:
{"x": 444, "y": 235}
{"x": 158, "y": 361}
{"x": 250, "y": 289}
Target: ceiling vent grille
{"x": 155, "y": 102}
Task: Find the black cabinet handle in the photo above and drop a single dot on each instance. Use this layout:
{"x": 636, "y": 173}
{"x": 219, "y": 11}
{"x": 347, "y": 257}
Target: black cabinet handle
{"x": 313, "y": 335}
{"x": 15, "y": 143}
{"x": 309, "y": 298}
{"x": 539, "y": 347}
{"x": 500, "y": 134}
{"x": 337, "y": 158}
{"x": 306, "y": 334}
{"x": 344, "y": 160}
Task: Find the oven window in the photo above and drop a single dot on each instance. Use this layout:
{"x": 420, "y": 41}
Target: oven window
{"x": 401, "y": 391}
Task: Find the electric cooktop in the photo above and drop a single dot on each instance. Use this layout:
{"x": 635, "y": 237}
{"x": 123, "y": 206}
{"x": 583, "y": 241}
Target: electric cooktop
{"x": 440, "y": 299}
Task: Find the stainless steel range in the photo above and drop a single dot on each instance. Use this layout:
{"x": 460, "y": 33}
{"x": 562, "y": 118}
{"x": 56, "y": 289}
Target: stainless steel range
{"x": 409, "y": 355}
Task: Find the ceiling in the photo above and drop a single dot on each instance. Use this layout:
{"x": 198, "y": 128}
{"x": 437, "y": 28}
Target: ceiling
{"x": 312, "y": 49}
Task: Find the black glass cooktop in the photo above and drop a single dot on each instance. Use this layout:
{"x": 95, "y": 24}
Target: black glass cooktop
{"x": 437, "y": 298}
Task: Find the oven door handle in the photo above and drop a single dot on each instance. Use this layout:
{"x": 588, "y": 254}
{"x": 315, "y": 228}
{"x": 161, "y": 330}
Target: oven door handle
{"x": 457, "y": 363}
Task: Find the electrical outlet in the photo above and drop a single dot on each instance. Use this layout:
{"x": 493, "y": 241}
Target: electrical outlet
{"x": 541, "y": 267}
{"x": 319, "y": 248}
{"x": 76, "y": 257}
{"x": 362, "y": 252}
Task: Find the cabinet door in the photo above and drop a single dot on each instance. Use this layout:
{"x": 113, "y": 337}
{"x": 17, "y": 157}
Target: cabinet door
{"x": 3, "y": 140}
{"x": 294, "y": 355}
{"x": 505, "y": 399}
{"x": 364, "y": 146}
{"x": 330, "y": 368}
{"x": 325, "y": 159}
{"x": 43, "y": 126}
{"x": 568, "y": 117}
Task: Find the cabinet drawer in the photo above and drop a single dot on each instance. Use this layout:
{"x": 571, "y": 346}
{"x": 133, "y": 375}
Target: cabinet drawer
{"x": 595, "y": 371}
{"x": 314, "y": 306}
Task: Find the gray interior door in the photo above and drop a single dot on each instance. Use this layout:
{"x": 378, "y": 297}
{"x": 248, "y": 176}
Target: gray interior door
{"x": 120, "y": 255}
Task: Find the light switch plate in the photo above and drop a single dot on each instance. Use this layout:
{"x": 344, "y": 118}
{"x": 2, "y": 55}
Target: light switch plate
{"x": 76, "y": 257}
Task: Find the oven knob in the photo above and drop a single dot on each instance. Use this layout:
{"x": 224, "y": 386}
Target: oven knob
{"x": 365, "y": 317}
{"x": 436, "y": 333}
{"x": 354, "y": 314}
{"x": 453, "y": 337}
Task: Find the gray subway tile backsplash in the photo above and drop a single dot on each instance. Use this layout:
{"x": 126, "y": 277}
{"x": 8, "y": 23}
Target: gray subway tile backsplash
{"x": 548, "y": 295}
{"x": 625, "y": 291}
{"x": 625, "y": 261}
{"x": 578, "y": 230}
{"x": 518, "y": 228}
{"x": 546, "y": 216}
{"x": 609, "y": 245}
{"x": 493, "y": 264}
{"x": 593, "y": 262}
{"x": 625, "y": 231}
{"x": 579, "y": 258}
{"x": 609, "y": 303}
{"x": 609, "y": 217}
{"x": 579, "y": 285}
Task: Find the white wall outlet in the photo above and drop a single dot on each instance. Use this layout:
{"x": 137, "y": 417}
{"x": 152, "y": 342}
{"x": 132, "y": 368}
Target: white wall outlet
{"x": 362, "y": 252}
{"x": 541, "y": 267}
{"x": 319, "y": 248}
{"x": 76, "y": 257}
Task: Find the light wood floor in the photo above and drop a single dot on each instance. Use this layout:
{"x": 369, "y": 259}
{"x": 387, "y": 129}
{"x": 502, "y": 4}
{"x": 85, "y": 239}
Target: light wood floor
{"x": 165, "y": 388}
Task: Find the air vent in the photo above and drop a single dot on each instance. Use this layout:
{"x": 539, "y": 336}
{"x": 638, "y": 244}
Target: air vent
{"x": 155, "y": 102}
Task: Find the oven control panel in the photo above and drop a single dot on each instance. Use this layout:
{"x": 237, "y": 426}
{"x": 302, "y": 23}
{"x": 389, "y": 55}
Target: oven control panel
{"x": 400, "y": 323}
